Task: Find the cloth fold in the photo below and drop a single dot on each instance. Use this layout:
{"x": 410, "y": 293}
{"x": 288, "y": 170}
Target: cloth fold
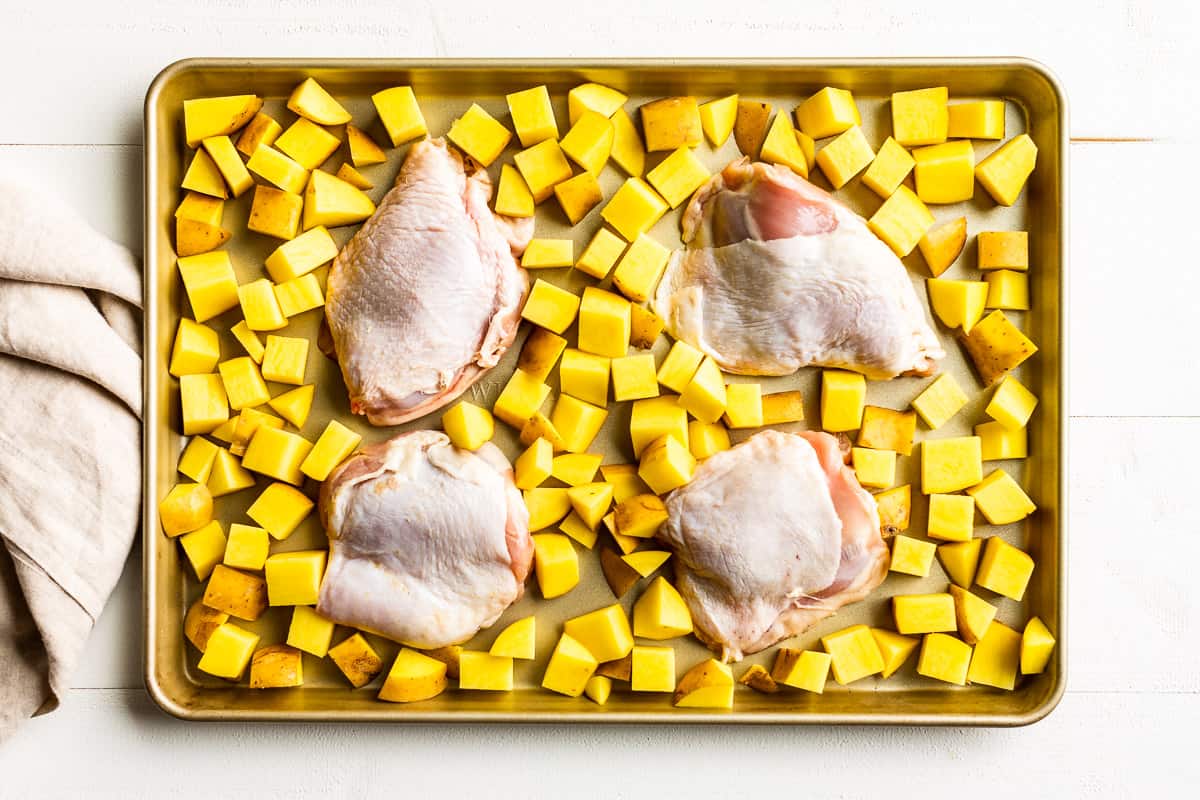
{"x": 70, "y": 440}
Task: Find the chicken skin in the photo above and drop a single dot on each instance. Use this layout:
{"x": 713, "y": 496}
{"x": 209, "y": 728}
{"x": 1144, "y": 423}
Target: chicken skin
{"x": 777, "y": 275}
{"x": 427, "y": 295}
{"x": 427, "y": 543}
{"x": 771, "y": 537}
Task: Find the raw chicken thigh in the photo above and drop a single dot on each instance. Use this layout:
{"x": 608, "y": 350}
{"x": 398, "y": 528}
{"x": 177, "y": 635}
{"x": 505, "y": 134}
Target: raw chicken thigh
{"x": 771, "y": 537}
{"x": 778, "y": 275}
{"x": 427, "y": 543}
{"x": 427, "y": 295}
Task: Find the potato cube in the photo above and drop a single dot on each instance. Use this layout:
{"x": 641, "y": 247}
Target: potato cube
{"x": 193, "y": 238}
{"x": 744, "y": 406}
{"x": 333, "y": 446}
{"x": 1012, "y": 404}
{"x": 646, "y": 562}
{"x": 358, "y": 661}
{"x": 717, "y": 118}
{"x": 912, "y": 556}
{"x": 294, "y": 405}
{"x": 276, "y": 168}
{"x": 584, "y": 376}
{"x": 224, "y": 431}
{"x": 276, "y": 666}
{"x": 275, "y": 212}
{"x": 236, "y": 593}
{"x": 591, "y": 502}
{"x": 1004, "y": 569}
{"x": 260, "y": 307}
{"x": 551, "y": 307}
{"x": 577, "y": 421}
{"x": 1001, "y": 500}
{"x": 678, "y": 175}
{"x": 294, "y": 579}
{"x": 1004, "y": 172}
{"x": 948, "y": 465}
{"x": 604, "y": 632}
{"x": 571, "y": 666}
{"x": 543, "y": 166}
{"x": 627, "y": 149}
{"x": 546, "y": 506}
{"x": 634, "y": 209}
{"x": 750, "y": 126}
{"x": 196, "y": 461}
{"x": 299, "y": 295}
{"x": 626, "y": 544}
{"x": 448, "y": 655}
{"x": 973, "y": 614}
{"x": 671, "y": 122}
{"x": 521, "y": 397}
{"x": 513, "y": 198}
{"x": 889, "y": 169}
{"x": 227, "y": 475}
{"x": 484, "y": 671}
{"x": 998, "y": 442}
{"x": 540, "y": 352}
{"x": 593, "y": 97}
{"x": 644, "y": 327}
{"x": 228, "y": 651}
{"x": 555, "y": 563}
{"x": 920, "y": 116}
{"x": 633, "y": 377}
{"x": 801, "y": 669}
{"x": 894, "y": 648}
{"x": 1037, "y": 643}
{"x": 924, "y": 613}
{"x": 666, "y": 464}
{"x": 353, "y": 177}
{"x": 201, "y": 208}
{"x": 704, "y": 395}
{"x": 845, "y": 157}
{"x": 842, "y": 400}
{"x": 758, "y": 679}
{"x": 534, "y": 466}
{"x": 660, "y": 613}
{"x": 578, "y": 530}
{"x": 854, "y": 653}
{"x": 363, "y": 150}
{"x": 639, "y": 516}
{"x": 874, "y": 468}
{"x": 196, "y": 350}
{"x": 709, "y": 684}
{"x": 204, "y": 548}
{"x": 653, "y": 418}
{"x": 285, "y": 359}
{"x": 901, "y": 221}
{"x": 532, "y": 115}
{"x": 210, "y": 284}
{"x": 468, "y": 425}
{"x": 951, "y": 517}
{"x": 539, "y": 426}
{"x": 601, "y": 254}
{"x": 244, "y": 385}
{"x": 204, "y": 403}
{"x": 996, "y": 658}
{"x": 217, "y": 116}
{"x": 996, "y": 346}
{"x": 895, "y": 508}
{"x": 941, "y": 246}
{"x": 1003, "y": 250}
{"x": 679, "y": 366}
{"x": 278, "y": 454}
{"x": 945, "y": 173}
{"x": 479, "y": 135}
{"x": 944, "y": 658}
{"x": 400, "y": 114}
{"x": 576, "y": 469}
{"x": 604, "y": 323}
{"x": 782, "y": 146}
{"x": 548, "y": 253}
{"x": 202, "y": 176}
{"x": 518, "y": 640}
{"x": 578, "y": 196}
{"x": 981, "y": 119}
{"x": 652, "y": 669}
{"x": 959, "y": 560}
{"x": 589, "y": 142}
{"x": 885, "y": 429}
{"x": 200, "y": 622}
{"x": 828, "y": 113}
{"x": 940, "y": 401}
{"x": 246, "y": 548}
{"x": 311, "y": 101}
{"x": 1007, "y": 289}
{"x": 262, "y": 130}
{"x": 229, "y": 164}
{"x": 249, "y": 341}
{"x": 245, "y": 424}
{"x": 301, "y": 255}
{"x": 330, "y": 201}
{"x": 707, "y": 438}
{"x": 782, "y": 407}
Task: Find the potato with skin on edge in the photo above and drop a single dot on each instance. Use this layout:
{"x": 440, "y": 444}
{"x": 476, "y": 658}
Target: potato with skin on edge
{"x": 275, "y": 212}
{"x": 973, "y": 614}
{"x": 709, "y": 684}
{"x": 801, "y": 669}
{"x": 262, "y": 130}
{"x": 996, "y": 347}
{"x": 187, "y": 507}
{"x": 236, "y": 593}
{"x": 750, "y": 126}
{"x": 895, "y": 508}
{"x": 193, "y": 237}
{"x": 941, "y": 246}
{"x": 670, "y": 123}
{"x": 217, "y": 116}
{"x": 200, "y": 622}
{"x": 353, "y": 177}
{"x": 758, "y": 679}
{"x": 310, "y": 100}
{"x": 357, "y": 660}
{"x": 276, "y": 666}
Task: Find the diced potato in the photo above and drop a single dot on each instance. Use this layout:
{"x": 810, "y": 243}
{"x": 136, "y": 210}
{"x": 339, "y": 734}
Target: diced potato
{"x": 960, "y": 560}
{"x": 854, "y": 653}
{"x": 593, "y": 97}
{"x": 294, "y": 579}
{"x": 945, "y": 173}
{"x": 311, "y": 101}
{"x": 513, "y": 198}
{"x": 532, "y": 115}
{"x": 585, "y": 376}
{"x": 203, "y": 176}
{"x": 246, "y": 547}
{"x": 534, "y": 466}
{"x": 249, "y": 341}
{"x": 782, "y": 407}
{"x": 671, "y": 122}
{"x": 1012, "y": 404}
{"x": 709, "y": 684}
{"x": 576, "y": 469}
{"x": 666, "y": 464}
{"x": 717, "y": 118}
{"x": 350, "y": 175}
{"x": 1001, "y": 500}
{"x": 358, "y": 661}
{"x": 578, "y": 530}
{"x": 244, "y": 385}
{"x": 842, "y": 400}
{"x": 193, "y": 237}
{"x": 228, "y": 651}
{"x": 204, "y": 548}
{"x": 332, "y": 447}
{"x": 601, "y": 254}
{"x": 912, "y": 556}
{"x": 284, "y": 359}
{"x": 874, "y": 468}
{"x": 484, "y": 671}
{"x": 301, "y": 255}
{"x": 958, "y": 304}
{"x": 750, "y": 126}
{"x": 940, "y": 401}
{"x": 539, "y": 426}
{"x": 627, "y": 149}
{"x": 895, "y": 508}
{"x": 948, "y": 465}
{"x": 999, "y": 443}
{"x": 743, "y": 408}
{"x": 604, "y": 323}
{"x": 224, "y": 431}
{"x": 246, "y": 423}
{"x": 604, "y": 632}
{"x": 894, "y": 648}
{"x": 210, "y": 284}
{"x": 828, "y": 113}
{"x": 262, "y": 130}
{"x": 518, "y": 640}
{"x": 996, "y": 346}
{"x": 801, "y": 669}
{"x": 660, "y": 613}
{"x": 1004, "y": 569}
{"x": 1005, "y": 171}
{"x": 704, "y": 395}
{"x": 808, "y": 146}
{"x": 626, "y": 544}
{"x": 781, "y": 146}
{"x": 307, "y": 143}
{"x": 707, "y": 438}
{"x": 1007, "y": 289}
{"x": 479, "y": 135}
{"x": 944, "y": 658}
{"x": 260, "y": 306}
{"x": 276, "y": 666}
{"x": 217, "y": 116}
{"x": 284, "y": 172}
{"x": 330, "y": 201}
{"x": 196, "y": 349}
{"x": 652, "y": 669}
{"x": 310, "y": 632}
{"x": 275, "y": 213}
{"x": 942, "y": 245}
{"x": 551, "y": 307}
{"x": 196, "y": 461}
{"x": 981, "y": 119}
{"x": 448, "y": 655}
{"x": 200, "y": 622}
{"x": 578, "y": 422}
{"x": 634, "y": 209}
{"x": 889, "y": 169}
{"x": 644, "y": 327}
{"x": 646, "y": 562}
{"x": 468, "y": 425}
{"x": 228, "y": 475}
{"x": 886, "y": 429}
{"x": 974, "y": 615}
{"x": 201, "y": 208}
{"x": 924, "y": 613}
{"x": 278, "y": 454}
{"x": 656, "y": 417}
{"x": 920, "y": 116}
{"x": 203, "y": 401}
{"x": 639, "y": 270}
{"x": 845, "y": 157}
{"x": 236, "y": 593}
{"x": 633, "y": 377}
{"x": 758, "y": 679}
{"x": 679, "y": 366}
{"x": 555, "y": 563}
{"x": 951, "y": 517}
{"x": 901, "y": 221}
{"x": 996, "y": 658}
{"x": 299, "y": 295}
{"x": 363, "y": 150}
{"x": 570, "y": 668}
{"x": 543, "y": 166}
{"x": 640, "y": 516}
{"x": 589, "y": 142}
{"x": 229, "y": 164}
{"x": 540, "y": 353}
{"x": 1037, "y": 643}
{"x": 294, "y": 405}
{"x": 1003, "y": 250}
{"x": 619, "y": 576}
{"x": 678, "y": 175}
{"x": 546, "y": 506}
{"x": 591, "y": 502}
{"x": 400, "y": 114}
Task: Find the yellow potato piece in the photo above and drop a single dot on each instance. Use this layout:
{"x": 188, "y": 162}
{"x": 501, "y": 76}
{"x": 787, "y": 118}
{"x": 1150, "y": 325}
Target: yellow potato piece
{"x": 276, "y": 666}
{"x": 294, "y": 579}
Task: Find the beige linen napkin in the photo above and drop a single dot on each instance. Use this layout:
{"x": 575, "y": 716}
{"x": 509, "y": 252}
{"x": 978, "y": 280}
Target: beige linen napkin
{"x": 70, "y": 433}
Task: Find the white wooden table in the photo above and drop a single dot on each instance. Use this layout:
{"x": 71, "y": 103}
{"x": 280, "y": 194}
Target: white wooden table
{"x": 71, "y": 87}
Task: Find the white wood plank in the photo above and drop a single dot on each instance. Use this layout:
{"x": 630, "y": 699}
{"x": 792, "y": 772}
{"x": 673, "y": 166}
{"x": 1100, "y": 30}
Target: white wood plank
{"x": 1127, "y": 64}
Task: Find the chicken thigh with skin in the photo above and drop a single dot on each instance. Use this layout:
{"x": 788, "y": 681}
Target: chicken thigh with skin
{"x": 427, "y": 543}
{"x": 771, "y": 537}
{"x": 427, "y": 295}
{"x": 778, "y": 275}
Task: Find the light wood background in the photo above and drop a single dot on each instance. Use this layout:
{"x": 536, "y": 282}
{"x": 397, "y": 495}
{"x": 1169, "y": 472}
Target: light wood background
{"x": 72, "y": 79}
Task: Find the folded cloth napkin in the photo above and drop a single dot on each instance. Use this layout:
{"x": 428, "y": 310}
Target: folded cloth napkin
{"x": 70, "y": 434}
